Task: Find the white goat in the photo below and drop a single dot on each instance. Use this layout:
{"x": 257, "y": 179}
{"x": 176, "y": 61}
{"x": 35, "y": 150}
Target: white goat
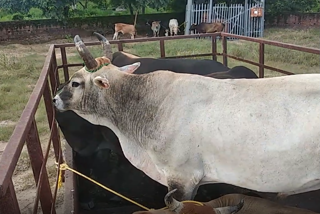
{"x": 173, "y": 25}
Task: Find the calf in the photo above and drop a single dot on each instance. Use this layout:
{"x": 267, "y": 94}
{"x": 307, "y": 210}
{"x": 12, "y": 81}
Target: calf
{"x": 155, "y": 27}
{"x": 207, "y": 27}
{"x": 176, "y": 207}
{"x": 173, "y": 25}
{"x": 166, "y": 32}
{"x": 124, "y": 29}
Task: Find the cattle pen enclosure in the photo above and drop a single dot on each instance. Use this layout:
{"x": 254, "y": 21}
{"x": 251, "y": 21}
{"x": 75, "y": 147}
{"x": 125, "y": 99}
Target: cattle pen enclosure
{"x": 26, "y": 130}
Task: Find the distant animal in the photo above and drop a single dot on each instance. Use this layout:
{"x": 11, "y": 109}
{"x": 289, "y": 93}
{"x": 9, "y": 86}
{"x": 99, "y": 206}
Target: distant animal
{"x": 166, "y": 33}
{"x": 176, "y": 207}
{"x": 229, "y": 202}
{"x": 186, "y": 130}
{"x": 124, "y": 29}
{"x": 155, "y": 27}
{"x": 173, "y": 25}
{"x": 207, "y": 27}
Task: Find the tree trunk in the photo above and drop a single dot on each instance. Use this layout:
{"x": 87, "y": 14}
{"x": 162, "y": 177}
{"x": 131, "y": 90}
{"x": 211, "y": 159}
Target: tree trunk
{"x": 130, "y": 8}
{"x": 143, "y": 10}
{"x": 66, "y": 11}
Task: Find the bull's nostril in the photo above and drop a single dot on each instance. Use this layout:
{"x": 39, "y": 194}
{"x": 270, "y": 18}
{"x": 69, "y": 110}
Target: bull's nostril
{"x": 54, "y": 100}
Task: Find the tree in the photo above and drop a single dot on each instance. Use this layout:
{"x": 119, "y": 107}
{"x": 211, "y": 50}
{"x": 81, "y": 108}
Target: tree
{"x": 14, "y": 6}
{"x": 277, "y": 7}
{"x": 134, "y": 5}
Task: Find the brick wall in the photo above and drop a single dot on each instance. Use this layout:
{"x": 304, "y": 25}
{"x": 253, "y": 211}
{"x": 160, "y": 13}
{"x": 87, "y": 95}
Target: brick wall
{"x": 47, "y": 29}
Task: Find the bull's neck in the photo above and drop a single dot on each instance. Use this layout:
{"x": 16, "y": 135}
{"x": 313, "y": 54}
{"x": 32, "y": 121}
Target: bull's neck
{"x": 134, "y": 105}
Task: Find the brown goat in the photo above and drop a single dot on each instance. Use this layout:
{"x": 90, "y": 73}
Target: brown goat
{"x": 124, "y": 29}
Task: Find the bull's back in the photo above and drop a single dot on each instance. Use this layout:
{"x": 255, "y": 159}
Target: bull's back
{"x": 265, "y": 120}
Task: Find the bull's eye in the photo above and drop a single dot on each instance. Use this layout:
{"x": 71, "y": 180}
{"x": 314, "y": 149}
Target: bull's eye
{"x": 75, "y": 84}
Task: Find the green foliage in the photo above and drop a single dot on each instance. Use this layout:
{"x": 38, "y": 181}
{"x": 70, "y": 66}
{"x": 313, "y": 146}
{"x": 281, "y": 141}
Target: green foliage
{"x": 15, "y": 6}
{"x": 277, "y": 7}
{"x": 35, "y": 13}
{"x": 64, "y": 9}
{"x": 17, "y": 17}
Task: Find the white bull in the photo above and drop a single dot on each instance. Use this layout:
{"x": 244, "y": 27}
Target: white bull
{"x": 186, "y": 130}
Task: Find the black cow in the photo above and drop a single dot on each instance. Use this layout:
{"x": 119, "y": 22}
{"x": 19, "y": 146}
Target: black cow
{"x": 96, "y": 145}
{"x": 191, "y": 66}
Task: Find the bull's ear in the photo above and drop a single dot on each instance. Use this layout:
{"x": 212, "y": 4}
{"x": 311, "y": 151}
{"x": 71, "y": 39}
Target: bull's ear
{"x": 130, "y": 68}
{"x": 101, "y": 82}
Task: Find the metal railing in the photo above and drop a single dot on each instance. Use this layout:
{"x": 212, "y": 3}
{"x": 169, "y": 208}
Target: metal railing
{"x": 26, "y": 129}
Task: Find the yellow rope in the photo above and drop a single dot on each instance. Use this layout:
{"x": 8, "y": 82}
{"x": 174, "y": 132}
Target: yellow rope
{"x": 64, "y": 167}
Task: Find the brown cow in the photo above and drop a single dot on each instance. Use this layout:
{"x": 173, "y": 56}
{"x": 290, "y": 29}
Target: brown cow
{"x": 251, "y": 205}
{"x": 208, "y": 27}
{"x": 254, "y": 205}
{"x": 176, "y": 207}
{"x": 124, "y": 29}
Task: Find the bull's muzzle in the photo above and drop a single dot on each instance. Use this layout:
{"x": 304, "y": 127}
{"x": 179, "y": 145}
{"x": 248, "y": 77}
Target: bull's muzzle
{"x": 58, "y": 103}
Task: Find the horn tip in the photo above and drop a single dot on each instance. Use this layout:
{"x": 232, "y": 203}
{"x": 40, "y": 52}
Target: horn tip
{"x": 100, "y": 37}
{"x": 77, "y": 39}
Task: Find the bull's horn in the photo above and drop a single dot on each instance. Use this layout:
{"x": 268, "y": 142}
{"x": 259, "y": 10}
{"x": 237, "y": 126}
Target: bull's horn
{"x": 172, "y": 203}
{"x": 229, "y": 209}
{"x": 85, "y": 54}
{"x": 107, "y": 49}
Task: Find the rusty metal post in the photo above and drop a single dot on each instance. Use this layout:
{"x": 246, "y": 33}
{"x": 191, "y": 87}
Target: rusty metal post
{"x": 55, "y": 69}
{"x": 224, "y": 50}
{"x": 36, "y": 159}
{"x": 54, "y": 77}
{"x": 120, "y": 46}
{"x": 9, "y": 203}
{"x": 51, "y": 119}
{"x": 214, "y": 47}
{"x": 162, "y": 50}
{"x": 261, "y": 60}
{"x": 64, "y": 63}
{"x": 70, "y": 190}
